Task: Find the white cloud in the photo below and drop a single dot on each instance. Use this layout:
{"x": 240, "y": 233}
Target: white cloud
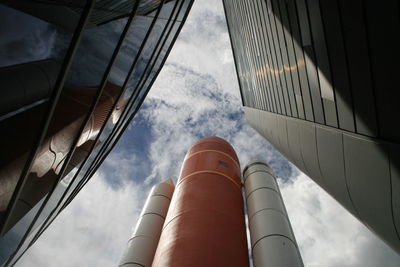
{"x": 327, "y": 234}
{"x": 93, "y": 230}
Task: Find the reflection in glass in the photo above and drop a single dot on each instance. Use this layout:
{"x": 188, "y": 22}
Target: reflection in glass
{"x": 100, "y": 92}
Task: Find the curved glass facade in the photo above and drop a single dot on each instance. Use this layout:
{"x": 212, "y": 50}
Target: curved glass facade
{"x": 71, "y": 87}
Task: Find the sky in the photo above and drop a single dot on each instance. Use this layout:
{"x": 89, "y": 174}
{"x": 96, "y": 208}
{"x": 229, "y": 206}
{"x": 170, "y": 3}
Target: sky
{"x": 196, "y": 95}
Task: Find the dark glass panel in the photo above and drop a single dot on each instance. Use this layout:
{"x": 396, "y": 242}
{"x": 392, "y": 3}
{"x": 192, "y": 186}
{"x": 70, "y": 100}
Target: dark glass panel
{"x": 77, "y": 96}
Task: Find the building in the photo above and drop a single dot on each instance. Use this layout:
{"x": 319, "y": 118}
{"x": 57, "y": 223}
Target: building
{"x": 319, "y": 80}
{"x": 73, "y": 74}
{"x": 201, "y": 221}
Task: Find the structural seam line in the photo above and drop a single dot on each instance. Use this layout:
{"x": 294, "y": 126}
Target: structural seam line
{"x": 247, "y": 197}
{"x": 281, "y": 212}
{"x": 216, "y": 151}
{"x": 131, "y": 262}
{"x": 239, "y": 186}
{"x": 264, "y": 237}
{"x": 246, "y": 176}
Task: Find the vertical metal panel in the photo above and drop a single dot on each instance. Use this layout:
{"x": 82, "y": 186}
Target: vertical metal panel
{"x": 273, "y": 65}
{"x": 278, "y": 57}
{"x": 237, "y": 49}
{"x": 288, "y": 85}
{"x": 356, "y": 44}
{"x": 292, "y": 64}
{"x": 255, "y": 42}
{"x": 249, "y": 69}
{"x": 293, "y": 132}
{"x": 368, "y": 177}
{"x": 394, "y": 156}
{"x": 305, "y": 89}
{"x": 331, "y": 161}
{"x": 263, "y": 73}
{"x": 254, "y": 119}
{"x": 249, "y": 55}
{"x": 268, "y": 63}
{"x": 383, "y": 24}
{"x": 271, "y": 121}
{"x": 236, "y": 57}
{"x": 283, "y": 137}
{"x": 309, "y": 57}
{"x": 322, "y": 63}
{"x": 338, "y": 62}
{"x": 309, "y": 152}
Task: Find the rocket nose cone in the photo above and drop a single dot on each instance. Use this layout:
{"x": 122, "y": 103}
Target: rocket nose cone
{"x": 212, "y": 139}
{"x": 213, "y": 143}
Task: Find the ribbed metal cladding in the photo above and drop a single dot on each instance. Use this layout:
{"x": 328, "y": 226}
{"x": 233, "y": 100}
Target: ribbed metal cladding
{"x": 342, "y": 58}
{"x": 362, "y": 174}
{"x": 272, "y": 239}
{"x": 143, "y": 243}
{"x": 334, "y": 61}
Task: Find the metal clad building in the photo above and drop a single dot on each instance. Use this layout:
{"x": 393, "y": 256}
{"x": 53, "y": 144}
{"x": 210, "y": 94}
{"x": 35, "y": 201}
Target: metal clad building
{"x": 319, "y": 80}
{"x": 73, "y": 74}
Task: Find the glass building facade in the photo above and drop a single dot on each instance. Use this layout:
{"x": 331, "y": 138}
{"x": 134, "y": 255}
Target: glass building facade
{"x": 73, "y": 74}
{"x": 319, "y": 81}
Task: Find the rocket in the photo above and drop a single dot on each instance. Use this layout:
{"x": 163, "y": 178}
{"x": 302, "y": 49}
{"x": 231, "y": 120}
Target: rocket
{"x": 272, "y": 239}
{"x": 143, "y": 243}
{"x": 203, "y": 224}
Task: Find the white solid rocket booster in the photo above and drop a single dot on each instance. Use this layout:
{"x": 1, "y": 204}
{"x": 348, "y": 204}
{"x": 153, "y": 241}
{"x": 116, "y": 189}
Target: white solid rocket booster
{"x": 143, "y": 243}
{"x": 272, "y": 239}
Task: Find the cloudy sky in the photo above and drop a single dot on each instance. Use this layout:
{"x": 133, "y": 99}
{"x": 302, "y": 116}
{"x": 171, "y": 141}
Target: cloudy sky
{"x": 195, "y": 95}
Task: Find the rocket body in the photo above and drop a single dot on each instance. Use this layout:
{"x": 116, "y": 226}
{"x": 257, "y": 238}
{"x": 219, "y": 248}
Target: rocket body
{"x": 205, "y": 223}
{"x": 272, "y": 238}
{"x": 143, "y": 243}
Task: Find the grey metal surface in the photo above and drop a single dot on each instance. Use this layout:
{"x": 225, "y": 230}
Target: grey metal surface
{"x": 272, "y": 239}
{"x": 361, "y": 173}
{"x": 368, "y": 179}
{"x": 309, "y": 151}
{"x": 342, "y": 55}
{"x": 339, "y": 69}
{"x": 331, "y": 158}
{"x": 394, "y": 155}
{"x": 343, "y": 62}
{"x": 275, "y": 251}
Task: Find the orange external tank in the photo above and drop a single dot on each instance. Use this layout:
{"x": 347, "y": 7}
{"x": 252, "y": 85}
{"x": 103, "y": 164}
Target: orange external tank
{"x": 205, "y": 223}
